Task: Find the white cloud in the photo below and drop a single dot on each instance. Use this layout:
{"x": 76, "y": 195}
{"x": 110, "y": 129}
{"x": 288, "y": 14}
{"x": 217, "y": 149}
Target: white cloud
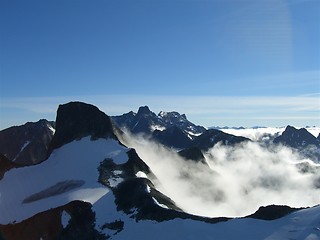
{"x": 239, "y": 180}
{"x": 255, "y": 134}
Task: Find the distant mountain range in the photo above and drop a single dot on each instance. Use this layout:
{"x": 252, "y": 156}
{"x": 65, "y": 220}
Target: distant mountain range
{"x": 76, "y": 178}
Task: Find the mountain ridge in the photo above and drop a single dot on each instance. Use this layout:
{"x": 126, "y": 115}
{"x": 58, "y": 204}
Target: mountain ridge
{"x": 117, "y": 191}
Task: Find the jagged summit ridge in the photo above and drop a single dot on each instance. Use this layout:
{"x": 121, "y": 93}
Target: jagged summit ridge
{"x": 172, "y": 115}
{"x": 146, "y": 121}
{"x": 297, "y": 138}
{"x": 302, "y": 140}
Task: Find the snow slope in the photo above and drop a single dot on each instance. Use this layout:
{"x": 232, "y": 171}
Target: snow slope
{"x": 75, "y": 162}
{"x": 300, "y": 225}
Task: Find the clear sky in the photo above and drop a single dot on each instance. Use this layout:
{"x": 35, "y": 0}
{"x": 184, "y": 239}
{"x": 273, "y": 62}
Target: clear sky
{"x": 222, "y": 62}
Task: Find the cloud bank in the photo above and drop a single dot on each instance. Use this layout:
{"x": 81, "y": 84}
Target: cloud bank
{"x": 236, "y": 181}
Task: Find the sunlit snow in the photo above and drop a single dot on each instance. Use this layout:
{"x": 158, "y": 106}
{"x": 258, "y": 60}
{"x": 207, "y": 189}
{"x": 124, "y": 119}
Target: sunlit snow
{"x": 157, "y": 127}
{"x": 77, "y": 160}
{"x": 51, "y": 129}
{"x": 141, "y": 174}
{"x": 301, "y": 225}
{"x": 159, "y": 204}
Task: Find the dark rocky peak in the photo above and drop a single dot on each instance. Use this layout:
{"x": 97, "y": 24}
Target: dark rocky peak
{"x": 146, "y": 121}
{"x": 181, "y": 121}
{"x": 193, "y": 154}
{"x": 272, "y": 212}
{"x": 142, "y": 122}
{"x": 124, "y": 120}
{"x": 172, "y": 137}
{"x": 42, "y": 123}
{"x": 297, "y": 138}
{"x": 27, "y": 144}
{"x": 318, "y": 137}
{"x": 76, "y": 120}
{"x": 130, "y": 114}
{"x": 144, "y": 110}
{"x": 213, "y": 136}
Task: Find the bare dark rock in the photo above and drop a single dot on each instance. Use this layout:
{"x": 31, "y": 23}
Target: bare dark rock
{"x": 76, "y": 120}
{"x": 213, "y": 136}
{"x": 193, "y": 154}
{"x": 172, "y": 137}
{"x": 273, "y": 212}
{"x": 27, "y": 144}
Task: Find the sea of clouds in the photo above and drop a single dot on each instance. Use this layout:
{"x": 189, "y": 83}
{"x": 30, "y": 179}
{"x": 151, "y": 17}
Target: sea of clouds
{"x": 235, "y": 181}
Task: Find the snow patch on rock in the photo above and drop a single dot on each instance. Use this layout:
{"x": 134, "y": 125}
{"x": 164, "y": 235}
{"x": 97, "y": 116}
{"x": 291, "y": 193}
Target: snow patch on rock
{"x": 65, "y": 218}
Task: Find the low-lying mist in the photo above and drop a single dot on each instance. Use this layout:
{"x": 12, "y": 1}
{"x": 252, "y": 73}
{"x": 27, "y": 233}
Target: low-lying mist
{"x": 236, "y": 180}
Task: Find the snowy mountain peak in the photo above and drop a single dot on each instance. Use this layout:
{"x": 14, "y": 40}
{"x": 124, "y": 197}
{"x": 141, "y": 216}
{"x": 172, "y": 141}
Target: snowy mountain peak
{"x": 76, "y": 120}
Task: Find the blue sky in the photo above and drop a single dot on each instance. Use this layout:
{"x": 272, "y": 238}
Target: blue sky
{"x": 232, "y": 62}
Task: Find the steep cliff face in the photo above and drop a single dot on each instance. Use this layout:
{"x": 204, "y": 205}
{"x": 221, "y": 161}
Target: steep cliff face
{"x": 76, "y": 120}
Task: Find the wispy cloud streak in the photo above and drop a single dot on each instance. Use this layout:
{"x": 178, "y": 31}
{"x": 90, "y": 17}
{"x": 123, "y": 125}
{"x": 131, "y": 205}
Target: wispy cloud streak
{"x": 205, "y": 110}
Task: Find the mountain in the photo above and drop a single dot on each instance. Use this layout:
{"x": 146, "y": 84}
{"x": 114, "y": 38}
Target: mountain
{"x": 193, "y": 154}
{"x": 172, "y": 137}
{"x": 181, "y": 121}
{"x": 145, "y": 121}
{"x": 173, "y": 129}
{"x": 86, "y": 161}
{"x": 213, "y": 136}
{"x": 27, "y": 144}
{"x": 76, "y": 120}
{"x": 301, "y": 140}
{"x": 297, "y": 138}
{"x": 92, "y": 186}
